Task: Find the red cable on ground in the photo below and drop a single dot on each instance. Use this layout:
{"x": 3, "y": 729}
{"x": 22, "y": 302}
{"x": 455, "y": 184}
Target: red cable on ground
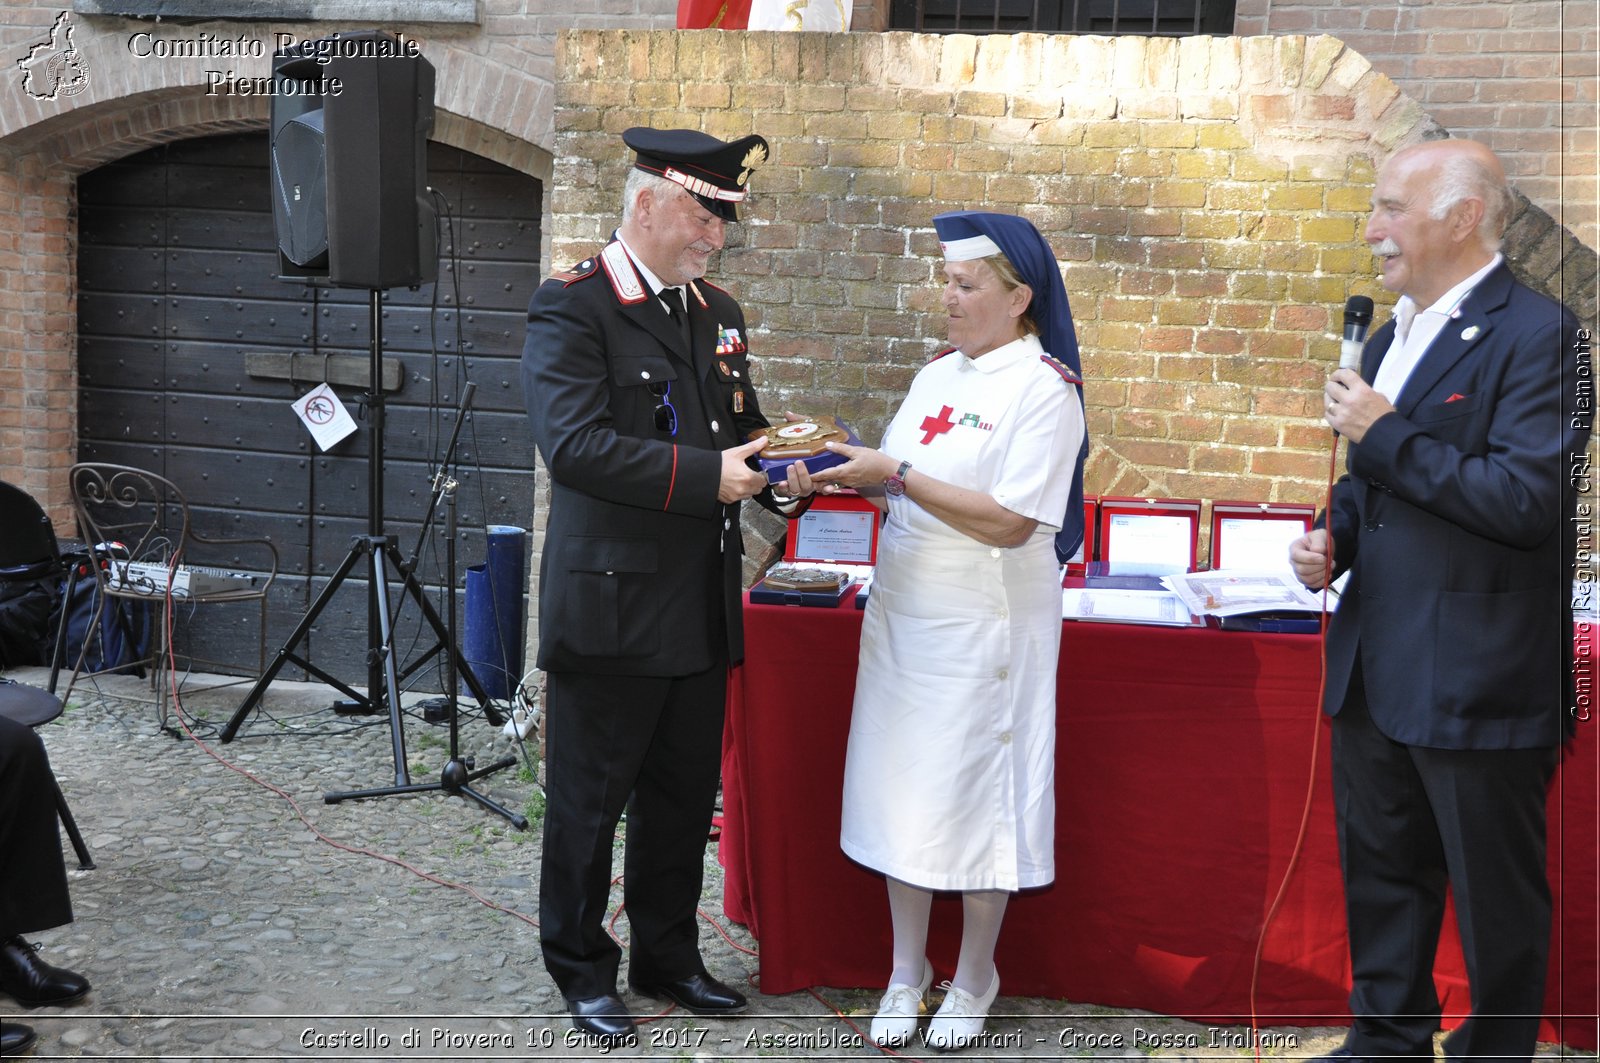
{"x": 1311, "y": 776}
{"x": 170, "y": 663}
{"x": 178, "y": 711}
{"x": 172, "y": 674}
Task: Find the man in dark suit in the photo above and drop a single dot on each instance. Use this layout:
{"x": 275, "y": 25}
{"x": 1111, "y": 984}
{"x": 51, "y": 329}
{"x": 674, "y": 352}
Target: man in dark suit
{"x": 1449, "y": 656}
{"x": 33, "y": 882}
{"x": 637, "y": 379}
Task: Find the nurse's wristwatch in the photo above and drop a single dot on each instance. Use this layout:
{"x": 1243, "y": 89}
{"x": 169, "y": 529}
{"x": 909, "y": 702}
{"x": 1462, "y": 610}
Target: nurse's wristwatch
{"x": 895, "y": 484}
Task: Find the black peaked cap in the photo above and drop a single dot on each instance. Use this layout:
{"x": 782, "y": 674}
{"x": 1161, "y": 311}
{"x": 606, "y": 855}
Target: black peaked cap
{"x": 714, "y": 171}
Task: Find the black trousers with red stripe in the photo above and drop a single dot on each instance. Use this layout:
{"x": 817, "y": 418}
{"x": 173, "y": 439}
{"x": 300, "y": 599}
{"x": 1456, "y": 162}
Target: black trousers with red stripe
{"x": 651, "y": 746}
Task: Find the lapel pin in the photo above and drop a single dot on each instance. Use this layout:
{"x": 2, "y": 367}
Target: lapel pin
{"x": 1470, "y": 332}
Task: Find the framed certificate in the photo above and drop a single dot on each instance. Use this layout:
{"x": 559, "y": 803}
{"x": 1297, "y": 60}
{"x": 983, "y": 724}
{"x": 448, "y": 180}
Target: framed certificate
{"x": 836, "y": 539}
{"x": 1148, "y": 536}
{"x": 841, "y": 527}
{"x": 1256, "y": 535}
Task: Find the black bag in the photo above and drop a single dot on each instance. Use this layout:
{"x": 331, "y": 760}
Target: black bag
{"x": 25, "y": 628}
{"x": 124, "y": 635}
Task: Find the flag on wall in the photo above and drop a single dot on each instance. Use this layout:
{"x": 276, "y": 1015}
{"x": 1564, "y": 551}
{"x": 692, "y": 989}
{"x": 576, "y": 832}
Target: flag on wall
{"x": 713, "y": 14}
{"x": 827, "y": 16}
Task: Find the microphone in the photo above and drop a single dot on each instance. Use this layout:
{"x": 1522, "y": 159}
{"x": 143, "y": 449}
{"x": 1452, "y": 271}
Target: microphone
{"x": 1357, "y": 316}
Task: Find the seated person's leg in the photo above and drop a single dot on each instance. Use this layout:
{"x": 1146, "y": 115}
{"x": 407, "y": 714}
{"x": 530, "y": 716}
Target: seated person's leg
{"x": 33, "y": 875}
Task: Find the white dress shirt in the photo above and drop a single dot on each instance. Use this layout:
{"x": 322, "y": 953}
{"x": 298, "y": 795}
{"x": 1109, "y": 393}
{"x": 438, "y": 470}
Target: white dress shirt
{"x": 1415, "y": 331}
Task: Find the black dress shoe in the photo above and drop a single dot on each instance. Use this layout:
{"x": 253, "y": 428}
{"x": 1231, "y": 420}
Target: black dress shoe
{"x": 700, "y": 993}
{"x": 604, "y": 1017}
{"x": 15, "y": 1037}
{"x": 1338, "y": 1055}
{"x": 33, "y": 983}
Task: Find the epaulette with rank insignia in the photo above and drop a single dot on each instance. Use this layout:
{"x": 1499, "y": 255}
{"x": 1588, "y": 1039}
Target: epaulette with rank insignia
{"x": 581, "y": 271}
{"x": 1061, "y": 367}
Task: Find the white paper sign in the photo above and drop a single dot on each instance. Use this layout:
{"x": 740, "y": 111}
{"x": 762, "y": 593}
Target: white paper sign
{"x": 1123, "y": 606}
{"x": 324, "y": 416}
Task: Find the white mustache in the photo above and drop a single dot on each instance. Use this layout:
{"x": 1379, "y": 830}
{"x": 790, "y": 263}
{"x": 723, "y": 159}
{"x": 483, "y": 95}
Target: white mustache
{"x": 1387, "y": 248}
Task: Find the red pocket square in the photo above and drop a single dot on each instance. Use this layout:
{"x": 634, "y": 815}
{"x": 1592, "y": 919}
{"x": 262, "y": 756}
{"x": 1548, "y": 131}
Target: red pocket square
{"x": 1455, "y": 396}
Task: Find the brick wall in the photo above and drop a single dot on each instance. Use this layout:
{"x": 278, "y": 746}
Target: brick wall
{"x": 1521, "y": 77}
{"x": 1112, "y": 146}
{"x": 1205, "y": 197}
{"x": 38, "y": 324}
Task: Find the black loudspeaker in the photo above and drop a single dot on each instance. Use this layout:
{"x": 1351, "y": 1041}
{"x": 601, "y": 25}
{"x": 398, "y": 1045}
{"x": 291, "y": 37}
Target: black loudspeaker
{"x": 299, "y": 167}
{"x": 351, "y": 114}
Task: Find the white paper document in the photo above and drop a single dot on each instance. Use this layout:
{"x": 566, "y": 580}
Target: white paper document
{"x": 1247, "y": 543}
{"x": 834, "y": 534}
{"x": 1233, "y": 592}
{"x": 1123, "y": 606}
{"x": 1148, "y": 544}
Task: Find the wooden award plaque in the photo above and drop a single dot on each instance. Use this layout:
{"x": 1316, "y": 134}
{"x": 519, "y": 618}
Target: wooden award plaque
{"x": 798, "y": 440}
{"x": 805, "y": 441}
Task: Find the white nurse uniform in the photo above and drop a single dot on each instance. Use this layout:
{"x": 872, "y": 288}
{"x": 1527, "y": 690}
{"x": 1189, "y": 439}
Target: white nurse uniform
{"x": 950, "y": 768}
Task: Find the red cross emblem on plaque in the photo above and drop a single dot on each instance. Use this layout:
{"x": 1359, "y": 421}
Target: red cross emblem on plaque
{"x": 937, "y": 425}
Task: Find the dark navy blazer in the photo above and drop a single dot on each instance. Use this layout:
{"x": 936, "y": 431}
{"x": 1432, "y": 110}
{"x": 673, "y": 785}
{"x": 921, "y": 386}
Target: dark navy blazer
{"x": 1456, "y": 522}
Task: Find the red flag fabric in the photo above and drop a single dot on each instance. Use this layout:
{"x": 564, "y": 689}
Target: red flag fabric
{"x": 713, "y": 14}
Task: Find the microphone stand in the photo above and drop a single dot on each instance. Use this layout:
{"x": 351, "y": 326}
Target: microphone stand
{"x": 457, "y": 772}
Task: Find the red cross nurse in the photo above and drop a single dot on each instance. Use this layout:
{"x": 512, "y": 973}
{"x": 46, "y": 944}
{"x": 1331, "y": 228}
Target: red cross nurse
{"x": 949, "y": 774}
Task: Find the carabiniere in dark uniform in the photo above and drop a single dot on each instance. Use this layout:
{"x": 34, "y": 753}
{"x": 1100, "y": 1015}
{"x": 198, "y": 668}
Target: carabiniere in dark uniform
{"x": 632, "y": 407}
{"x": 634, "y": 516}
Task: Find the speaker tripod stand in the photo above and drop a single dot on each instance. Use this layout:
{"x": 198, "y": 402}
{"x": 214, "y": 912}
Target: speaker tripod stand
{"x": 384, "y": 563}
{"x": 458, "y": 773}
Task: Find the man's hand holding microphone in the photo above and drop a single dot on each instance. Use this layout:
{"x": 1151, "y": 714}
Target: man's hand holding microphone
{"x": 1348, "y": 402}
{"x": 1350, "y": 406}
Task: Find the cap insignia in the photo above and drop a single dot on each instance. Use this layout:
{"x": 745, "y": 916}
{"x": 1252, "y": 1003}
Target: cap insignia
{"x": 752, "y": 158}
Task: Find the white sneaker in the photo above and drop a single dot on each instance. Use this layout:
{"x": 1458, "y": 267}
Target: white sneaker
{"x": 959, "y": 1020}
{"x": 896, "y": 1021}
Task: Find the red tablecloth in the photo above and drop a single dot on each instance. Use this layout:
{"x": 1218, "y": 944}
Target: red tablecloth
{"x": 1182, "y": 765}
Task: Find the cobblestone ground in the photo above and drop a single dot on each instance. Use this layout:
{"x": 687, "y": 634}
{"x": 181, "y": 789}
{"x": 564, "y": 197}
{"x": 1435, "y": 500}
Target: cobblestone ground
{"x": 233, "y": 914}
